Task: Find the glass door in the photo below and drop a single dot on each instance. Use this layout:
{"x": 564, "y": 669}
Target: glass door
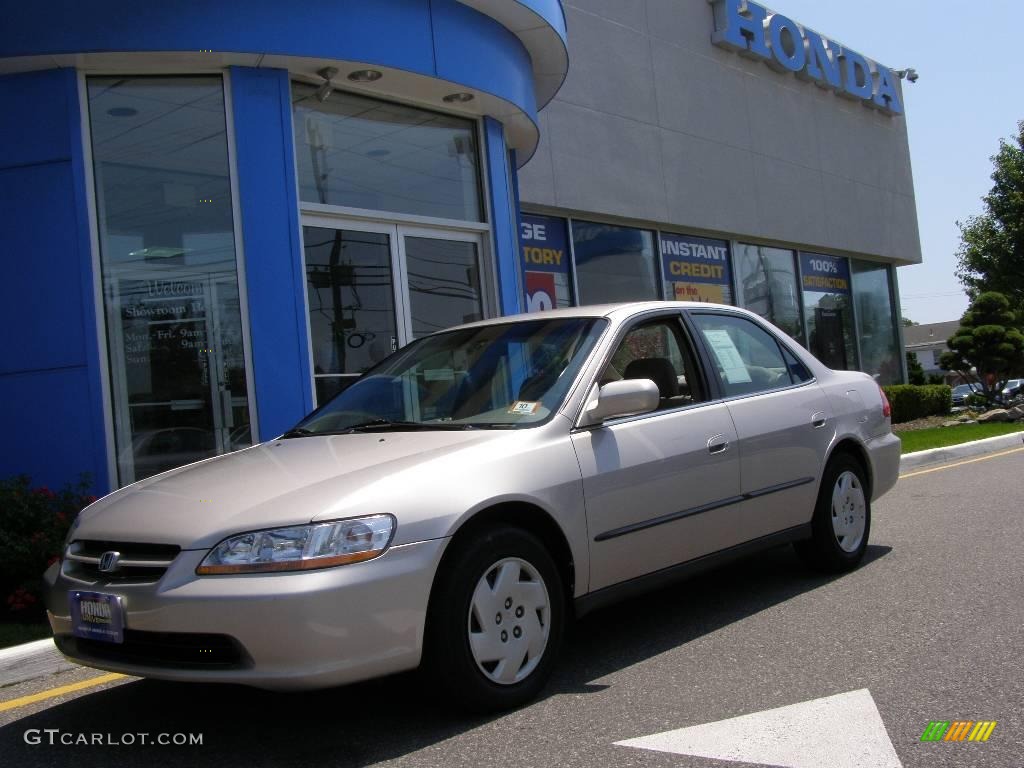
{"x": 174, "y": 315}
{"x": 352, "y": 298}
{"x": 443, "y": 275}
{"x": 180, "y": 366}
{"x": 374, "y": 287}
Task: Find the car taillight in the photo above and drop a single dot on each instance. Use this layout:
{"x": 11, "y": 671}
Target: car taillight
{"x": 886, "y": 408}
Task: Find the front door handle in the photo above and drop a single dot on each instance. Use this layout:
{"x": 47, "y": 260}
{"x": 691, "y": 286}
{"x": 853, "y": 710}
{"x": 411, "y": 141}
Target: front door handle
{"x": 718, "y": 444}
{"x": 818, "y": 420}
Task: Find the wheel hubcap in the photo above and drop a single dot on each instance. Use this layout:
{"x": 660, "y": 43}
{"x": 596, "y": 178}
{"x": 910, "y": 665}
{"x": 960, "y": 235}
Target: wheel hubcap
{"x": 849, "y": 512}
{"x": 511, "y": 595}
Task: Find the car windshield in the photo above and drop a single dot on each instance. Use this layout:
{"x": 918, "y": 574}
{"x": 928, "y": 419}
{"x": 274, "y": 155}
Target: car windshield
{"x": 501, "y": 376}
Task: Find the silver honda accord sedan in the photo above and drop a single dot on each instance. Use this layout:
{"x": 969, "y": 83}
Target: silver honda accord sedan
{"x": 460, "y": 502}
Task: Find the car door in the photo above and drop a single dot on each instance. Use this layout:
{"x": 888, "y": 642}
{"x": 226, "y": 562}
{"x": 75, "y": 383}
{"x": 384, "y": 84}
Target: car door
{"x": 782, "y": 417}
{"x": 663, "y": 487}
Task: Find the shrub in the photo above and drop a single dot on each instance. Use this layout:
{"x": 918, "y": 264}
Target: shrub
{"x": 911, "y": 402}
{"x": 33, "y": 525}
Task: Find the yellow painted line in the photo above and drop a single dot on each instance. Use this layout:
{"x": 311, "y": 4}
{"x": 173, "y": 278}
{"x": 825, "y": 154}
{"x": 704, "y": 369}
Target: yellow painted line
{"x": 961, "y": 463}
{"x": 53, "y": 692}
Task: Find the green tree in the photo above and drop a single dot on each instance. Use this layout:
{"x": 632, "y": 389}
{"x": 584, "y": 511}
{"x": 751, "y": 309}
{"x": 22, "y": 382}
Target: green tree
{"x": 915, "y": 370}
{"x": 991, "y": 253}
{"x": 988, "y": 348}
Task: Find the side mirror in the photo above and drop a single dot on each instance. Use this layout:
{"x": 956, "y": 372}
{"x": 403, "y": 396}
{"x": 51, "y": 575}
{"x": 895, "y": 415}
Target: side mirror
{"x": 629, "y": 397}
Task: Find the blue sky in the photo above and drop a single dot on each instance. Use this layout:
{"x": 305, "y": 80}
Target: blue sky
{"x": 969, "y": 96}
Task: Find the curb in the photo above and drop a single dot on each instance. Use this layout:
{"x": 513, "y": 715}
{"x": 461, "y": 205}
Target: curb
{"x": 29, "y": 661}
{"x": 962, "y": 451}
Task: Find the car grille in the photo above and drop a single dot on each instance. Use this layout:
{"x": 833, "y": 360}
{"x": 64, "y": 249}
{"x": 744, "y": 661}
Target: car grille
{"x": 138, "y": 564}
{"x": 177, "y": 650}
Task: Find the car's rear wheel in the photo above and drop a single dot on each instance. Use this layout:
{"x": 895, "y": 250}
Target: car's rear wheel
{"x": 842, "y": 518}
{"x": 496, "y": 620}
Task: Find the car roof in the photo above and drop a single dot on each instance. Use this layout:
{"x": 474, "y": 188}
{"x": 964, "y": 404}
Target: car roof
{"x": 612, "y": 311}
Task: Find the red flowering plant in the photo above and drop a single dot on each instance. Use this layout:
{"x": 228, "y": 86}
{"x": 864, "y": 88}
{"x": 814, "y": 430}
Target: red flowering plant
{"x": 33, "y": 525}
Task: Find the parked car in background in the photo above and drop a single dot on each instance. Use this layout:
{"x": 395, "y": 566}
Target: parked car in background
{"x": 963, "y": 391}
{"x": 1014, "y": 388}
{"x": 460, "y": 502}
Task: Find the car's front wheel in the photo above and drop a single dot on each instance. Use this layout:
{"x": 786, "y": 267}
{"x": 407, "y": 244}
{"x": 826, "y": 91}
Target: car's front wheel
{"x": 842, "y": 518}
{"x": 496, "y": 620}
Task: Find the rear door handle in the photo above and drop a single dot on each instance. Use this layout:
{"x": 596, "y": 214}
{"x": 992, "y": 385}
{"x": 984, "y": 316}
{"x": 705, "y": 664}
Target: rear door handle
{"x": 818, "y": 420}
{"x": 718, "y": 444}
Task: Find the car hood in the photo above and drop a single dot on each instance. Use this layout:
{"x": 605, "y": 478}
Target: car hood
{"x": 280, "y": 483}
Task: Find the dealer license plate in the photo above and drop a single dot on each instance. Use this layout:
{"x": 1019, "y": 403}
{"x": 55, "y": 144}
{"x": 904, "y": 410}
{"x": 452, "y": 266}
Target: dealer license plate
{"x": 96, "y": 616}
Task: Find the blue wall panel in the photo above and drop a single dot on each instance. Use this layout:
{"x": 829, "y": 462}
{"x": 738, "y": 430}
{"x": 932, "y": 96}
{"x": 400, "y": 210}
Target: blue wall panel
{"x": 504, "y": 219}
{"x": 49, "y": 413}
{"x": 435, "y": 38}
{"x": 40, "y": 294}
{"x": 471, "y": 50}
{"x": 50, "y": 381}
{"x": 273, "y": 259}
{"x": 31, "y": 141}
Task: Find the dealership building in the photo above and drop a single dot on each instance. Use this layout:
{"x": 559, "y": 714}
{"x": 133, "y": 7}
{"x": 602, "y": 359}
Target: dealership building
{"x": 215, "y": 216}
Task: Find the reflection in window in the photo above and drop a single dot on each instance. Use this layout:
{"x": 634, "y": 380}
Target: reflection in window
{"x": 879, "y": 342}
{"x": 351, "y": 302}
{"x": 170, "y": 285}
{"x": 766, "y": 283}
{"x": 614, "y": 263}
{"x": 444, "y": 284}
{"x": 362, "y": 153}
{"x": 828, "y": 312}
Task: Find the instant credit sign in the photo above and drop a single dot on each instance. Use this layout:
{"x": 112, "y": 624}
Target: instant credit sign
{"x": 545, "y": 263}
{"x": 696, "y": 268}
{"x": 825, "y": 274}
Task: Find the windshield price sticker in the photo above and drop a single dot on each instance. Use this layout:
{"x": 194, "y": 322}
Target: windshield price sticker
{"x": 524, "y": 408}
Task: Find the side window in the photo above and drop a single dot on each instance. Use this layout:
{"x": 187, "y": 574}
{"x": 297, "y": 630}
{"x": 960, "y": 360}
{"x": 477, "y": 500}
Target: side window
{"x": 797, "y": 370}
{"x": 658, "y": 351}
{"x": 746, "y": 357}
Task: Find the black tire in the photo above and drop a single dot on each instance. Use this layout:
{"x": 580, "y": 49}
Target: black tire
{"x": 824, "y": 551}
{"x": 448, "y": 658}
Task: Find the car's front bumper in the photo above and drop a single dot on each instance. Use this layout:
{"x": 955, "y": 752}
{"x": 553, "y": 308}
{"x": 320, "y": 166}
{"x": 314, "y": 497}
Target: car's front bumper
{"x": 290, "y": 630}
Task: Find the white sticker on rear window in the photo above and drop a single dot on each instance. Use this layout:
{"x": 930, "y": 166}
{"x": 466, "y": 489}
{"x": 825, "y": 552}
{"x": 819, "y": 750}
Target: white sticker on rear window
{"x": 733, "y": 367}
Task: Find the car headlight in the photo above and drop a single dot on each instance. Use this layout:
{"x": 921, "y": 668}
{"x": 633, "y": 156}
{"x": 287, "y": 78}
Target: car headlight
{"x": 301, "y": 547}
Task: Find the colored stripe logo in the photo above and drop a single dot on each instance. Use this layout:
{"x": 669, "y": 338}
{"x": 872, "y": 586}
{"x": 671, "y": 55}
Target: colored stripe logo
{"x": 958, "y": 730}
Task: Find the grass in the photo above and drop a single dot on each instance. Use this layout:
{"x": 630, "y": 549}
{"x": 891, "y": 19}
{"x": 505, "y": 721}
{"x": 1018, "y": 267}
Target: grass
{"x": 940, "y": 437}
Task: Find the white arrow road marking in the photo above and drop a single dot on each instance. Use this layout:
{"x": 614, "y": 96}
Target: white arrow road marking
{"x": 842, "y": 731}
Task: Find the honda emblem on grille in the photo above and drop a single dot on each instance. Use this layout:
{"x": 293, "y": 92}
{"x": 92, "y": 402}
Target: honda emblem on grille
{"x": 110, "y": 562}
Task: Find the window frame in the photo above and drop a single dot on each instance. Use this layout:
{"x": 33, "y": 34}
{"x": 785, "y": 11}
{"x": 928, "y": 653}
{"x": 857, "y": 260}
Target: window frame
{"x": 708, "y": 360}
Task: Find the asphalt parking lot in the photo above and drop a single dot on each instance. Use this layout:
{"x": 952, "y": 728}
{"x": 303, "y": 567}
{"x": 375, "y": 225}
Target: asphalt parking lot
{"x": 932, "y": 626}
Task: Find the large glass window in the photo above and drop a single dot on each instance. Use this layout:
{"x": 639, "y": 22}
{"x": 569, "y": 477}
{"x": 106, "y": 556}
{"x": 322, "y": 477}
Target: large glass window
{"x": 547, "y": 273}
{"x": 766, "y": 283}
{"x": 170, "y": 282}
{"x": 879, "y": 339}
{"x": 828, "y": 310}
{"x": 358, "y": 152}
{"x": 614, "y": 263}
{"x": 696, "y": 268}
